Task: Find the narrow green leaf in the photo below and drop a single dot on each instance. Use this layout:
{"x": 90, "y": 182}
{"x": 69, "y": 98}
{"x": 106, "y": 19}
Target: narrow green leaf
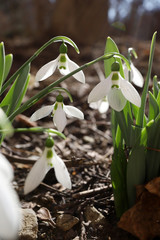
{"x": 118, "y": 177}
{"x": 153, "y": 107}
{"x": 19, "y": 89}
{"x": 155, "y": 87}
{"x": 111, "y": 47}
{"x": 8, "y": 64}
{"x": 141, "y": 112}
{"x": 2, "y": 63}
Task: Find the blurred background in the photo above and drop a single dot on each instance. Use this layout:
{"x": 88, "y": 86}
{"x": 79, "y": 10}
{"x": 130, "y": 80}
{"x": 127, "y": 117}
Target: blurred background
{"x": 85, "y": 21}
{"x": 88, "y": 22}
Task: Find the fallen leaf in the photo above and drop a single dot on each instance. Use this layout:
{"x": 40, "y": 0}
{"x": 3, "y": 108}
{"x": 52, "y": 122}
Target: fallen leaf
{"x": 154, "y": 186}
{"x": 44, "y": 214}
{"x": 143, "y": 219}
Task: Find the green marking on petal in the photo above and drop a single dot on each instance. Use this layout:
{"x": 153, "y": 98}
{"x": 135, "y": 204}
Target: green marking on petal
{"x": 55, "y": 106}
{"x": 62, "y": 67}
{"x": 49, "y": 153}
{"x": 115, "y": 86}
{"x": 115, "y": 76}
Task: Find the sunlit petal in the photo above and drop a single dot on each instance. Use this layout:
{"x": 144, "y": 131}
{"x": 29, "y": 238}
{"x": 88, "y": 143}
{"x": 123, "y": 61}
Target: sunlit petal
{"x": 59, "y": 119}
{"x": 6, "y": 168}
{"x": 137, "y": 77}
{"x": 73, "y": 66}
{"x": 47, "y": 70}
{"x": 61, "y": 171}
{"x": 116, "y": 99}
{"x": 73, "y": 112}
{"x": 37, "y": 174}
{"x": 94, "y": 105}
{"x": 100, "y": 90}
{"x": 9, "y": 211}
{"x": 130, "y": 93}
{"x": 42, "y": 112}
{"x": 103, "y": 106}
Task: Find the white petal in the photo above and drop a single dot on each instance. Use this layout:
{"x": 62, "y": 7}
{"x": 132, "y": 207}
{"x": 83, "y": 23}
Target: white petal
{"x": 73, "y": 112}
{"x": 61, "y": 171}
{"x": 6, "y": 168}
{"x": 103, "y": 107}
{"x": 94, "y": 105}
{"x": 37, "y": 173}
{"x": 137, "y": 77}
{"x": 59, "y": 119}
{"x": 130, "y": 93}
{"x": 125, "y": 70}
{"x": 47, "y": 70}
{"x": 42, "y": 112}
{"x": 100, "y": 90}
{"x": 9, "y": 211}
{"x": 116, "y": 99}
{"x": 73, "y": 66}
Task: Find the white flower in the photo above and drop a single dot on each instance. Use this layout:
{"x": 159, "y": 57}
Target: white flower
{"x": 102, "y": 105}
{"x": 117, "y": 90}
{"x": 63, "y": 63}
{"x": 9, "y": 203}
{"x": 136, "y": 76}
{"x": 59, "y": 112}
{"x": 48, "y": 160}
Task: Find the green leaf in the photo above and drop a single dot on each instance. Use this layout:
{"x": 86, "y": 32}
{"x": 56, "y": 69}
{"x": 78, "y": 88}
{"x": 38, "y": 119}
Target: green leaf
{"x": 153, "y": 107}
{"x": 111, "y": 47}
{"x": 155, "y": 87}
{"x": 2, "y": 63}
{"x": 118, "y": 177}
{"x": 16, "y": 93}
{"x": 141, "y": 112}
{"x": 8, "y": 64}
{"x": 153, "y": 149}
{"x": 19, "y": 89}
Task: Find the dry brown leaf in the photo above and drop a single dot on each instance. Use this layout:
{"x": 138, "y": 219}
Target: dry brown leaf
{"x": 44, "y": 214}
{"x": 154, "y": 186}
{"x": 143, "y": 219}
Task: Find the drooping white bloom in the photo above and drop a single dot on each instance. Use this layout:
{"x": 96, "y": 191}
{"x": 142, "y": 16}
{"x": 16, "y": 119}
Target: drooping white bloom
{"x": 48, "y": 160}
{"x": 59, "y": 112}
{"x": 102, "y": 105}
{"x": 63, "y": 63}
{"x": 136, "y": 76}
{"x": 117, "y": 90}
{"x": 9, "y": 204}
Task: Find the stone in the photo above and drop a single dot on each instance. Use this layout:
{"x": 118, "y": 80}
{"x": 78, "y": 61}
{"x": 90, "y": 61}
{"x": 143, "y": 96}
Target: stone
{"x": 29, "y": 225}
{"x": 66, "y": 221}
{"x": 93, "y": 216}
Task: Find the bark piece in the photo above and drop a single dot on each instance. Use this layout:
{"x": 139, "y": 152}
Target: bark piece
{"x": 94, "y": 216}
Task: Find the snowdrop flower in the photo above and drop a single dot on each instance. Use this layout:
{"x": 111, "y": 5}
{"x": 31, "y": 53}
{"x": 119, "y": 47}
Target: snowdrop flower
{"x": 102, "y": 105}
{"x": 59, "y": 112}
{"x": 9, "y": 203}
{"x": 63, "y": 63}
{"x": 48, "y": 160}
{"x": 136, "y": 76}
{"x": 117, "y": 90}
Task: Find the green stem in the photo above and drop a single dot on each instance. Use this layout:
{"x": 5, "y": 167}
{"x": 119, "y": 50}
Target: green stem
{"x": 50, "y": 88}
{"x": 55, "y": 39}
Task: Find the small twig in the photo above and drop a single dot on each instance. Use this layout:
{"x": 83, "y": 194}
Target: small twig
{"x": 89, "y": 192}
